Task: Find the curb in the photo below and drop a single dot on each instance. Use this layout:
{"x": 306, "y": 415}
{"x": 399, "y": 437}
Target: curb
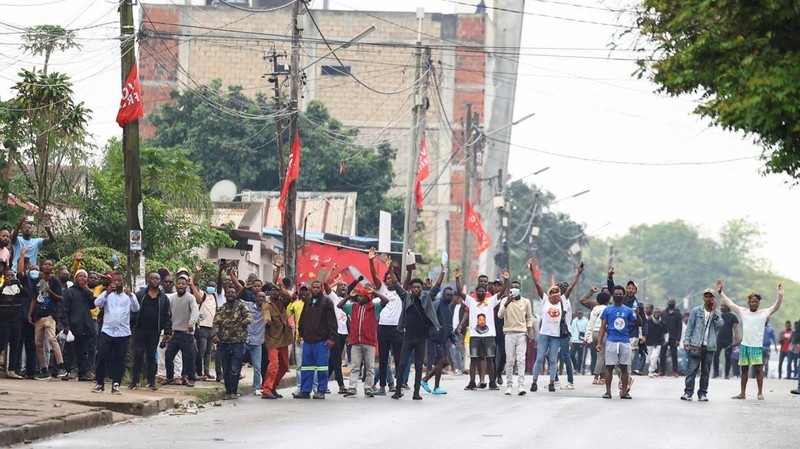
{"x": 145, "y": 408}
{"x": 51, "y": 427}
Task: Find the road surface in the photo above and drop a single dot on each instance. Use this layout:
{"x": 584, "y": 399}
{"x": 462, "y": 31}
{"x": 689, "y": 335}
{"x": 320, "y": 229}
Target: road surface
{"x": 655, "y": 418}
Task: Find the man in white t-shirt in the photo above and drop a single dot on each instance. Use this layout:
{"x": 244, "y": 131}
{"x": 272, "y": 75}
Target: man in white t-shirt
{"x": 753, "y": 321}
{"x": 480, "y": 316}
{"x": 335, "y": 359}
{"x": 389, "y": 338}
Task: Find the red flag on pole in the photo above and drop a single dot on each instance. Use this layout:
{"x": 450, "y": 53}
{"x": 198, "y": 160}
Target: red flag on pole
{"x": 292, "y": 172}
{"x": 472, "y": 222}
{"x": 130, "y": 107}
{"x": 423, "y": 171}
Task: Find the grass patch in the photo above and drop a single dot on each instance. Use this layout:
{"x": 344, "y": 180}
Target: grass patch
{"x": 205, "y": 395}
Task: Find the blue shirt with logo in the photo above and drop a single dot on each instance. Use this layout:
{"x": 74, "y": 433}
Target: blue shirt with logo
{"x": 617, "y": 319}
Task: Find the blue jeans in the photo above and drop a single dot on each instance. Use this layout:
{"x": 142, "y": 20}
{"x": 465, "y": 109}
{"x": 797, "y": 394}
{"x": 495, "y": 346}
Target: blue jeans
{"x": 255, "y": 360}
{"x": 183, "y": 342}
{"x": 548, "y": 346}
{"x": 702, "y": 364}
{"x": 684, "y": 359}
{"x": 315, "y": 365}
{"x": 457, "y": 352}
{"x": 565, "y": 358}
{"x": 232, "y": 354}
{"x": 389, "y": 377}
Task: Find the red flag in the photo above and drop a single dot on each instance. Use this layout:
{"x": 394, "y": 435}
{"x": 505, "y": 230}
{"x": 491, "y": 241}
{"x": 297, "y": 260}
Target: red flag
{"x": 292, "y": 172}
{"x": 473, "y": 222}
{"x": 130, "y": 107}
{"x": 536, "y": 273}
{"x": 423, "y": 171}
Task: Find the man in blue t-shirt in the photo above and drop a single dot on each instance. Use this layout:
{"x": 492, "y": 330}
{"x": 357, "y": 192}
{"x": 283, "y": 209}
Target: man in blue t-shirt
{"x": 22, "y": 237}
{"x": 614, "y": 324}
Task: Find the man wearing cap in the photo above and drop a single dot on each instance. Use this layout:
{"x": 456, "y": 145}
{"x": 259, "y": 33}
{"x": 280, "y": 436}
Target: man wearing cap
{"x": 518, "y": 329}
{"x": 753, "y": 322}
{"x": 700, "y": 343}
{"x": 630, "y": 300}
{"x": 76, "y": 317}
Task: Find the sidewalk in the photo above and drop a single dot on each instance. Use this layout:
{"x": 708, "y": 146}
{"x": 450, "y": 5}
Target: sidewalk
{"x": 34, "y": 409}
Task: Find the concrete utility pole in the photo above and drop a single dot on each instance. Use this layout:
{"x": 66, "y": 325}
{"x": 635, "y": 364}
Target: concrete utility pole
{"x": 466, "y": 239}
{"x": 130, "y": 141}
{"x": 289, "y": 224}
{"x": 417, "y": 132}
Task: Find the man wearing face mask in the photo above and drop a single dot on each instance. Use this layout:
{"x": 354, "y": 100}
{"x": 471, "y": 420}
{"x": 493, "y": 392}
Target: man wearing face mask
{"x": 440, "y": 341}
{"x": 656, "y": 339}
{"x": 117, "y": 303}
{"x": 518, "y": 328}
{"x": 637, "y": 336}
{"x": 673, "y": 319}
{"x": 42, "y": 314}
{"x": 76, "y": 317}
{"x": 615, "y": 323}
{"x": 184, "y": 315}
{"x": 153, "y": 318}
{"x": 207, "y": 305}
{"x": 482, "y": 343}
{"x": 363, "y": 338}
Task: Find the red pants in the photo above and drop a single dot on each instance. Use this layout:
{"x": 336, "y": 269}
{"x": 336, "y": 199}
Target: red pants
{"x": 278, "y": 366}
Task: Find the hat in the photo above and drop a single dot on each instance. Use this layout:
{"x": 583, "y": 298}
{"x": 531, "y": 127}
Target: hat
{"x": 81, "y": 271}
{"x": 631, "y": 283}
{"x": 182, "y": 270}
{"x": 709, "y": 291}
{"x": 361, "y": 290}
{"x": 108, "y": 274}
{"x": 304, "y": 286}
{"x": 497, "y": 282}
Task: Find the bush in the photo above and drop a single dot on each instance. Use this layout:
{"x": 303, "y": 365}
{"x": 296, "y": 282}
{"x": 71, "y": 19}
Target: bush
{"x": 96, "y": 258}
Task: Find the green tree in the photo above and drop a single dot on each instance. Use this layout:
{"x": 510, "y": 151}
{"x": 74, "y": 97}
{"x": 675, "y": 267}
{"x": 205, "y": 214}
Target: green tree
{"x": 175, "y": 201}
{"x": 742, "y": 58}
{"x": 43, "y": 40}
{"x": 232, "y": 136}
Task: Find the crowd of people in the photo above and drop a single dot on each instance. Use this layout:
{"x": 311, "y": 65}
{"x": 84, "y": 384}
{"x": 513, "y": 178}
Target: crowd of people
{"x": 73, "y": 324}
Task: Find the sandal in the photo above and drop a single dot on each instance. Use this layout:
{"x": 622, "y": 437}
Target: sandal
{"x": 626, "y": 396}
{"x": 760, "y": 397}
{"x": 470, "y": 386}
{"x": 739, "y": 396}
{"x": 607, "y": 396}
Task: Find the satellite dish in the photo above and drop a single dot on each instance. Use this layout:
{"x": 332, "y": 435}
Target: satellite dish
{"x": 223, "y": 191}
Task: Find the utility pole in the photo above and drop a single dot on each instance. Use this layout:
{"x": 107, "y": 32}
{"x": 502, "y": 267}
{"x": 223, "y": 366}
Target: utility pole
{"x": 130, "y": 142}
{"x": 273, "y": 78}
{"x": 289, "y": 224}
{"x": 417, "y": 131}
{"x": 466, "y": 239}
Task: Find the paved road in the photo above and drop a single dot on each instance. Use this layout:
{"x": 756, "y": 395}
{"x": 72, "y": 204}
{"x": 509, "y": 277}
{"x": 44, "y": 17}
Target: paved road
{"x": 579, "y": 418}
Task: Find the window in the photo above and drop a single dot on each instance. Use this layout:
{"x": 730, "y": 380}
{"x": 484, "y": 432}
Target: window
{"x": 335, "y": 70}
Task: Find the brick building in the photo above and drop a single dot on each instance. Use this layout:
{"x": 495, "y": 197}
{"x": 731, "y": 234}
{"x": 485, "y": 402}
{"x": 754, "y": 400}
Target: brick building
{"x": 184, "y": 46}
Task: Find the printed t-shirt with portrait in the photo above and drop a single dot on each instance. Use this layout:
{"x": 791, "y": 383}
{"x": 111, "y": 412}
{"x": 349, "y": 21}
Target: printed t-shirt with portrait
{"x": 481, "y": 316}
{"x": 617, "y": 318}
{"x": 341, "y": 315}
{"x": 390, "y": 314}
{"x": 551, "y": 316}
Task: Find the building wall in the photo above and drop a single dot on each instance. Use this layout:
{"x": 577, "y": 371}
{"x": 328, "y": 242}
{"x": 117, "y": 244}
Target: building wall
{"x": 188, "y": 58}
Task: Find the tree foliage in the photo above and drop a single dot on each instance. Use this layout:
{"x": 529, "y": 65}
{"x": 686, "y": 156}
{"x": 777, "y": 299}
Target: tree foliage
{"x": 175, "y": 201}
{"x": 232, "y": 136}
{"x": 743, "y": 58}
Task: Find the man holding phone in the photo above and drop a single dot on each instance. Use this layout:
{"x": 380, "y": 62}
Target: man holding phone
{"x": 117, "y": 303}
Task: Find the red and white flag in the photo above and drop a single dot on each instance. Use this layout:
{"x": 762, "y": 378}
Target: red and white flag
{"x": 130, "y": 107}
{"x": 472, "y": 222}
{"x": 423, "y": 171}
{"x": 292, "y": 172}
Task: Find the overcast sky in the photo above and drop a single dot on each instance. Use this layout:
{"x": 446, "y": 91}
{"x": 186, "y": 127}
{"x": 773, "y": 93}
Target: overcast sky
{"x": 595, "y": 125}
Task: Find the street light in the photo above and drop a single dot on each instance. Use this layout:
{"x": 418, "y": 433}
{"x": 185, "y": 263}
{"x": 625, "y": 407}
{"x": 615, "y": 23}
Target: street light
{"x": 347, "y": 44}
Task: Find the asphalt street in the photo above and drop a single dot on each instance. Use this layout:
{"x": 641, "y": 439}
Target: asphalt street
{"x": 655, "y": 418}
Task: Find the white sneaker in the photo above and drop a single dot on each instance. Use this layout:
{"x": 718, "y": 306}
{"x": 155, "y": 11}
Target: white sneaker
{"x": 568, "y": 387}
{"x": 556, "y": 383}
{"x": 651, "y": 375}
{"x": 508, "y": 390}
{"x": 256, "y": 392}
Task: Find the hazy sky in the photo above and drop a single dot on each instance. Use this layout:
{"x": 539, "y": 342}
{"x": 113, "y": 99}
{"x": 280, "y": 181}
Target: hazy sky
{"x": 595, "y": 125}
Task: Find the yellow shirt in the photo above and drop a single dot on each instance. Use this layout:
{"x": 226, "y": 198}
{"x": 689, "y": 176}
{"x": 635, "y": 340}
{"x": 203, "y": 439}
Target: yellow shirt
{"x": 294, "y": 310}
{"x": 97, "y": 292}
